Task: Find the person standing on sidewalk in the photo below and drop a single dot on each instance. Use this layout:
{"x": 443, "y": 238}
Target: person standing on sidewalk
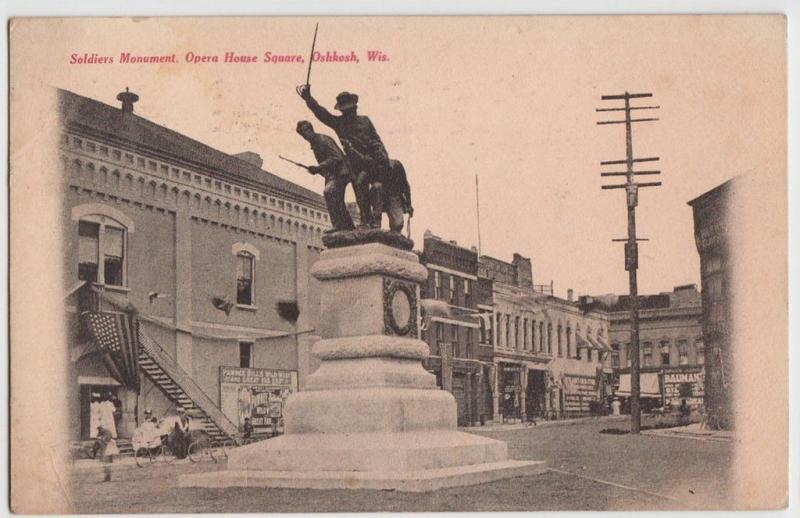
{"x": 106, "y": 447}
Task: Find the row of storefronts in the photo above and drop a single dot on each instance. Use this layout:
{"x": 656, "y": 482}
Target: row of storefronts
{"x": 509, "y": 350}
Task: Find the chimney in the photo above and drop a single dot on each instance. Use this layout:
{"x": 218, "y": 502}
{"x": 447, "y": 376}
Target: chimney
{"x": 251, "y": 158}
{"x": 570, "y": 295}
{"x": 128, "y": 98}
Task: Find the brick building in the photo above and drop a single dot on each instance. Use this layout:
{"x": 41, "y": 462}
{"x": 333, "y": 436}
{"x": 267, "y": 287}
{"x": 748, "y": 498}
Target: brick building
{"x": 460, "y": 364}
{"x": 671, "y": 347}
{"x": 712, "y": 239}
{"x": 203, "y": 245}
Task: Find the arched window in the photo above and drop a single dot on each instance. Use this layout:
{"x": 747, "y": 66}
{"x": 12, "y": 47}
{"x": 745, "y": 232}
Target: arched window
{"x": 246, "y": 256}
{"x": 102, "y": 244}
{"x": 245, "y": 267}
{"x": 549, "y": 338}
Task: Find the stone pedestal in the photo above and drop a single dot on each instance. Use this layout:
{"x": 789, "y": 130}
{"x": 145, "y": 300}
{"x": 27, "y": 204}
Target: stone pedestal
{"x": 370, "y": 416}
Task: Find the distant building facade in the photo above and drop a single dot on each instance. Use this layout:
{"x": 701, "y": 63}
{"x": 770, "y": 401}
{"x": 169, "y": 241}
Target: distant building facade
{"x": 550, "y": 355}
{"x": 712, "y": 239}
{"x": 671, "y": 347}
{"x": 203, "y": 245}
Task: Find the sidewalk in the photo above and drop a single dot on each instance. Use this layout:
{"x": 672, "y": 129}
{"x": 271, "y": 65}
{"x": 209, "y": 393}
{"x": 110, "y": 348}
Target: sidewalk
{"x": 541, "y": 422}
{"x": 88, "y": 467}
{"x": 692, "y": 431}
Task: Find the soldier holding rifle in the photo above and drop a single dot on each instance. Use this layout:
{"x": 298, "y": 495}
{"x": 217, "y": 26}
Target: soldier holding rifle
{"x": 334, "y": 168}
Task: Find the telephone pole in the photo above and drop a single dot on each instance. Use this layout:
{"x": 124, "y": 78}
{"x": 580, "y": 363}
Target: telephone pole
{"x": 631, "y": 242}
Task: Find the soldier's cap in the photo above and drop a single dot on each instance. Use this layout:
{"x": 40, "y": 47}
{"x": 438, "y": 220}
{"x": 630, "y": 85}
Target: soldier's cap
{"x": 303, "y": 124}
{"x": 346, "y": 100}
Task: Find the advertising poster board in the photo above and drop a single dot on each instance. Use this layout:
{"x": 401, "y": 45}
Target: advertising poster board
{"x": 259, "y": 394}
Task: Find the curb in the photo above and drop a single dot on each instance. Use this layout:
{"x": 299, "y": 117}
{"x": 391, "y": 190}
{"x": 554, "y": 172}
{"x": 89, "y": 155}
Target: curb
{"x": 561, "y": 422}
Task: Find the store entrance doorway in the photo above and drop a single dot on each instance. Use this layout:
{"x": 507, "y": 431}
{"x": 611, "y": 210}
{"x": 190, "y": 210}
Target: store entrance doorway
{"x": 100, "y": 405}
{"x": 535, "y": 395}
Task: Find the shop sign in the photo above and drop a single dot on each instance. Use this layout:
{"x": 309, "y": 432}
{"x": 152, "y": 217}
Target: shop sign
{"x": 684, "y": 385}
{"x": 259, "y": 394}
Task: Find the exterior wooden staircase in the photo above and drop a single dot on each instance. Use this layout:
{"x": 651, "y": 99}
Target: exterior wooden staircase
{"x": 182, "y": 390}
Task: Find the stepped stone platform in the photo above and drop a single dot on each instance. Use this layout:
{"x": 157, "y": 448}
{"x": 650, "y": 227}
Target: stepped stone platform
{"x": 370, "y": 417}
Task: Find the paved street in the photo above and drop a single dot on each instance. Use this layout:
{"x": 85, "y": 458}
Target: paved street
{"x": 589, "y": 470}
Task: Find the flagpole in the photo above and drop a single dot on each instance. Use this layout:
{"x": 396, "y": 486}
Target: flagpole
{"x": 478, "y": 212}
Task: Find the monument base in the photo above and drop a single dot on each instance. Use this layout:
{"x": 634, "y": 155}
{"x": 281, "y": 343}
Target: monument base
{"x": 405, "y": 461}
{"x": 410, "y": 481}
{"x": 370, "y": 416}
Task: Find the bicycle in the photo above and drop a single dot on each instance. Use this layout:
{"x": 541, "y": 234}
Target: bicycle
{"x": 200, "y": 451}
{"x": 145, "y": 455}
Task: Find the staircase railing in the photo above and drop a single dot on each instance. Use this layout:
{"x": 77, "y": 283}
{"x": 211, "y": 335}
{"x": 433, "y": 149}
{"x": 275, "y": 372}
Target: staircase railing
{"x": 187, "y": 384}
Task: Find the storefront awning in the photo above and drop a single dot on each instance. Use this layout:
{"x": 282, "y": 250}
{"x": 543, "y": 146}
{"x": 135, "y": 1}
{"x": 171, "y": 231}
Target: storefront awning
{"x": 648, "y": 385}
{"x": 581, "y": 342}
{"x": 602, "y": 343}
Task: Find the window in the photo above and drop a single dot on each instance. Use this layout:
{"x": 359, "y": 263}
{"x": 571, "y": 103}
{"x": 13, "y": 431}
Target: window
{"x": 88, "y": 250}
{"x": 647, "y": 354}
{"x": 560, "y": 350}
{"x": 570, "y": 349}
{"x": 437, "y": 285}
{"x": 507, "y": 341}
{"x": 468, "y": 344}
{"x": 615, "y": 356}
{"x": 244, "y": 278}
{"x": 245, "y": 354}
{"x": 541, "y": 336}
{"x": 683, "y": 352}
{"x": 452, "y": 289}
{"x": 550, "y": 338}
{"x": 439, "y": 332}
{"x": 664, "y": 352}
{"x": 467, "y": 293}
{"x": 701, "y": 352}
{"x": 533, "y": 335}
{"x": 101, "y": 250}
{"x": 524, "y": 333}
{"x": 516, "y": 332}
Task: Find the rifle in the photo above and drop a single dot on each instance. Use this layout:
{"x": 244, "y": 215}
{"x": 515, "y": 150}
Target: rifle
{"x": 298, "y": 164}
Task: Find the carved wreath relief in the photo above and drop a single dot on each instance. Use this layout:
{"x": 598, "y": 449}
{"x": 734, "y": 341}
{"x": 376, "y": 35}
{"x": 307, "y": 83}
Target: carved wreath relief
{"x": 399, "y": 308}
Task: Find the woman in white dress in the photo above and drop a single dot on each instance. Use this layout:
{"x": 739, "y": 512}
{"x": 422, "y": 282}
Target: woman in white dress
{"x": 107, "y": 409}
{"x": 94, "y": 415}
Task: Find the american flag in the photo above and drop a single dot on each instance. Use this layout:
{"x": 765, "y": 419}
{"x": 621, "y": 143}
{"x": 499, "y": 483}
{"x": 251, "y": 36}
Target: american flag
{"x": 116, "y": 335}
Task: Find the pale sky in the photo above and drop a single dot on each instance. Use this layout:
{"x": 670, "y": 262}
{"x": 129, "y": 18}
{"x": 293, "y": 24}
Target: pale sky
{"x": 509, "y": 99}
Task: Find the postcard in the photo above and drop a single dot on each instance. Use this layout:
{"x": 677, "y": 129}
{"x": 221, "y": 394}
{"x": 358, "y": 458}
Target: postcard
{"x": 363, "y": 264}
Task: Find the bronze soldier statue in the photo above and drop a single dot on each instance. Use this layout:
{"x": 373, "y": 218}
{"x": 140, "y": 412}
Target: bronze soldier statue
{"x": 397, "y": 196}
{"x": 334, "y": 168}
{"x": 363, "y": 148}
